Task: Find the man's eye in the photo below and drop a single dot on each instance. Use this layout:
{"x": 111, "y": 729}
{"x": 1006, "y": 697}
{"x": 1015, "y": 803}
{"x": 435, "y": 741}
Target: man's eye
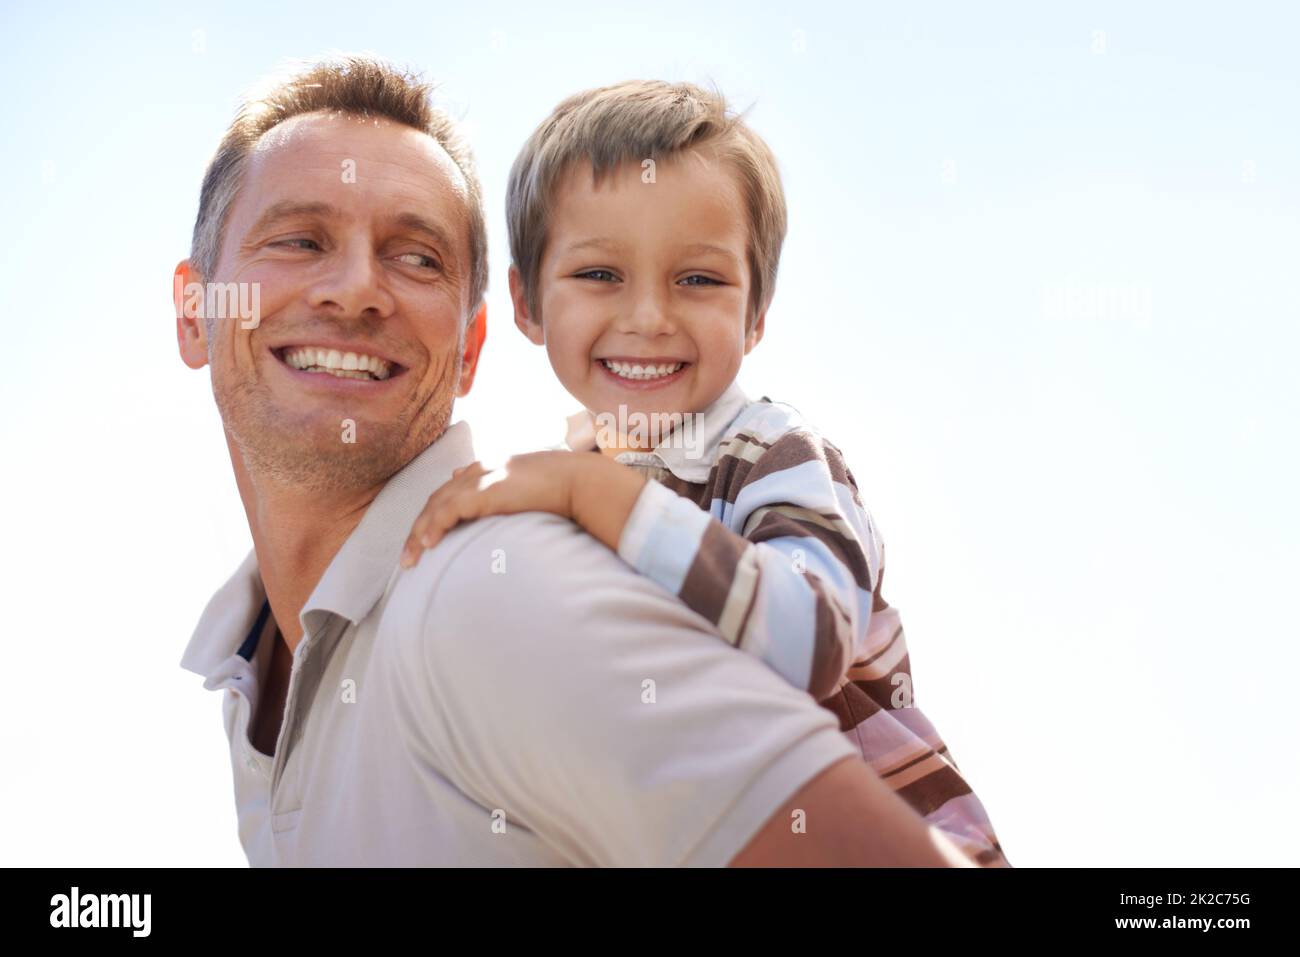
{"x": 600, "y": 275}
{"x": 297, "y": 239}
{"x": 420, "y": 259}
{"x": 704, "y": 281}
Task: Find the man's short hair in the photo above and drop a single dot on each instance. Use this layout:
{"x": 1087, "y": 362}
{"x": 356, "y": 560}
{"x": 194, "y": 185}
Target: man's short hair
{"x": 639, "y": 120}
{"x": 353, "y": 85}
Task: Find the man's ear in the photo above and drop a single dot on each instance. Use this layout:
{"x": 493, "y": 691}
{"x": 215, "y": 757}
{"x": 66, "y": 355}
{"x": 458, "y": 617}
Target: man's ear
{"x": 191, "y": 330}
{"x": 755, "y": 334}
{"x": 475, "y": 333}
{"x": 527, "y": 325}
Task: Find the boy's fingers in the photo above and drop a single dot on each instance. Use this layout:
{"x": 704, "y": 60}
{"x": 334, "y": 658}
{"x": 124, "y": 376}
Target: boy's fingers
{"x": 415, "y": 538}
{"x": 423, "y": 522}
{"x": 447, "y": 507}
{"x": 424, "y": 535}
{"x": 442, "y": 520}
{"x": 409, "y": 551}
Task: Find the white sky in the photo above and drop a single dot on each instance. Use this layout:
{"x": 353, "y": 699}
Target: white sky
{"x": 1090, "y": 514}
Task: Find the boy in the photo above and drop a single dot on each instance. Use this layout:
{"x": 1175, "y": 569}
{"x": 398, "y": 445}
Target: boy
{"x": 646, "y": 226}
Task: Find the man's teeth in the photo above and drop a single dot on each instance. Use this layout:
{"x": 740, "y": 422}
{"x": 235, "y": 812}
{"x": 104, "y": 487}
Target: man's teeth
{"x": 630, "y": 370}
{"x": 345, "y": 365}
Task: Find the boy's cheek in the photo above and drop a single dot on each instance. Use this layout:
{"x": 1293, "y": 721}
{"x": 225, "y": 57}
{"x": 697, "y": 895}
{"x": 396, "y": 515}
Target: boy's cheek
{"x": 570, "y": 368}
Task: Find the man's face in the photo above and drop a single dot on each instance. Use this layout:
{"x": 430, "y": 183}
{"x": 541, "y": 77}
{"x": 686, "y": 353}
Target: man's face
{"x": 644, "y": 287}
{"x": 356, "y": 232}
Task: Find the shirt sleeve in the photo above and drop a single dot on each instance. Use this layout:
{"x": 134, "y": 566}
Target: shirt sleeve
{"x": 877, "y": 708}
{"x": 597, "y": 710}
{"x": 783, "y": 564}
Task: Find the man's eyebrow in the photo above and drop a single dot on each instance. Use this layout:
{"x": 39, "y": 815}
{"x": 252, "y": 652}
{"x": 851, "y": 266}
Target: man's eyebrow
{"x": 440, "y": 236}
{"x": 288, "y": 208}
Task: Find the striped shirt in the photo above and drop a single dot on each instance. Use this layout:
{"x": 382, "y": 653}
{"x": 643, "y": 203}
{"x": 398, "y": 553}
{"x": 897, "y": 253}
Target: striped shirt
{"x": 755, "y": 522}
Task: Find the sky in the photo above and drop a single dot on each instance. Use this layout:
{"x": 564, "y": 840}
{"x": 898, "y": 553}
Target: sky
{"x": 1040, "y": 287}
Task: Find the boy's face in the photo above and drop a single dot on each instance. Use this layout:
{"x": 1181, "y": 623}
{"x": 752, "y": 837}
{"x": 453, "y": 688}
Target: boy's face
{"x": 649, "y": 274}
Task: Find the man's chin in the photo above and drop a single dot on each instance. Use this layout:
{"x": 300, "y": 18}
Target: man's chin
{"x": 326, "y": 444}
{"x": 348, "y": 455}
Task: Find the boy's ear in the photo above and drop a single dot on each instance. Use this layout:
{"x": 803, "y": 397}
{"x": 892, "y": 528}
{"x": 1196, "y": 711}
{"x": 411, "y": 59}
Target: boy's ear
{"x": 755, "y": 334}
{"x": 475, "y": 333}
{"x": 191, "y": 328}
{"x": 525, "y": 322}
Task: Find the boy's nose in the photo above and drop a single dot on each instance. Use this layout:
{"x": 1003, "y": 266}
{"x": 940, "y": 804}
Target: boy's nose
{"x": 650, "y": 314}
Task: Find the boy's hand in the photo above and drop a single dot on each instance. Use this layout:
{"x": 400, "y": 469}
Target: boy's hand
{"x": 535, "y": 482}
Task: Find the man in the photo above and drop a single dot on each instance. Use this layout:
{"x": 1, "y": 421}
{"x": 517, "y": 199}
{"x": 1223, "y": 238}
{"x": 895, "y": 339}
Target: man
{"x": 520, "y": 696}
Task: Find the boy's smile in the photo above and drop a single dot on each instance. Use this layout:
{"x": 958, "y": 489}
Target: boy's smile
{"x": 644, "y": 286}
{"x": 638, "y": 372}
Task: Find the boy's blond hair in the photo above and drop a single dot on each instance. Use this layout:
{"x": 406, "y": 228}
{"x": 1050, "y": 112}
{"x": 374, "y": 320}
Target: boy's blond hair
{"x": 639, "y": 120}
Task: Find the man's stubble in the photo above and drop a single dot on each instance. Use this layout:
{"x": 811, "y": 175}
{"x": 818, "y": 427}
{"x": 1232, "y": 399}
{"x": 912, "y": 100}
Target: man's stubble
{"x": 313, "y": 455}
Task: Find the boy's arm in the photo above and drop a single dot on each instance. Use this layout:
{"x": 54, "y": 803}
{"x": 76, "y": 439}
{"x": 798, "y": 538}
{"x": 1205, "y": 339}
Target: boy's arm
{"x": 784, "y": 569}
{"x": 785, "y": 565}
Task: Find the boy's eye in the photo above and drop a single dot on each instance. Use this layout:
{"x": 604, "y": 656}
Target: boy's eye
{"x": 704, "y": 281}
{"x": 420, "y": 259}
{"x": 600, "y": 275}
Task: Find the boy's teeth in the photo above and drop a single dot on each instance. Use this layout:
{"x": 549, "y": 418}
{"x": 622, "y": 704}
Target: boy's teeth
{"x": 630, "y": 370}
{"x": 345, "y": 365}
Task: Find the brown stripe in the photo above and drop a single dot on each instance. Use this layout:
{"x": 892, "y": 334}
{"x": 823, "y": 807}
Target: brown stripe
{"x": 864, "y": 662}
{"x": 729, "y": 475}
{"x": 848, "y": 552}
{"x": 831, "y": 642}
{"x": 789, "y": 451}
{"x": 851, "y": 705}
{"x": 878, "y": 602}
{"x": 750, "y": 439}
{"x": 992, "y": 857}
{"x": 881, "y": 689}
{"x": 931, "y": 792}
{"x": 709, "y": 579}
{"x": 697, "y": 492}
{"x": 734, "y": 472}
{"x": 749, "y": 609}
{"x": 839, "y": 470}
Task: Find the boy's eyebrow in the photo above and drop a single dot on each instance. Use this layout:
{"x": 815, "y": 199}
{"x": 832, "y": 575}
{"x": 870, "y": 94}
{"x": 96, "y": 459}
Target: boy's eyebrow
{"x": 594, "y": 243}
{"x": 709, "y": 248}
{"x": 602, "y": 242}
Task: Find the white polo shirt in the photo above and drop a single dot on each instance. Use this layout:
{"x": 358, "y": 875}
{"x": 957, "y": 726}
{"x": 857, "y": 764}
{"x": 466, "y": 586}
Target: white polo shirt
{"x": 520, "y": 697}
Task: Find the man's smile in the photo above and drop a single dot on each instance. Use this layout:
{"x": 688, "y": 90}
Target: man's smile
{"x": 350, "y": 365}
{"x": 334, "y": 364}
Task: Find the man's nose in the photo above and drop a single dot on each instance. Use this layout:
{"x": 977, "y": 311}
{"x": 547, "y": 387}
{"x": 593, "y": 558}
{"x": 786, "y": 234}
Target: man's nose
{"x": 352, "y": 283}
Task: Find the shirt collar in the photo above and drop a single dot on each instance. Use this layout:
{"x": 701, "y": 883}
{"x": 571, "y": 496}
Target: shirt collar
{"x": 360, "y": 571}
{"x": 689, "y": 452}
